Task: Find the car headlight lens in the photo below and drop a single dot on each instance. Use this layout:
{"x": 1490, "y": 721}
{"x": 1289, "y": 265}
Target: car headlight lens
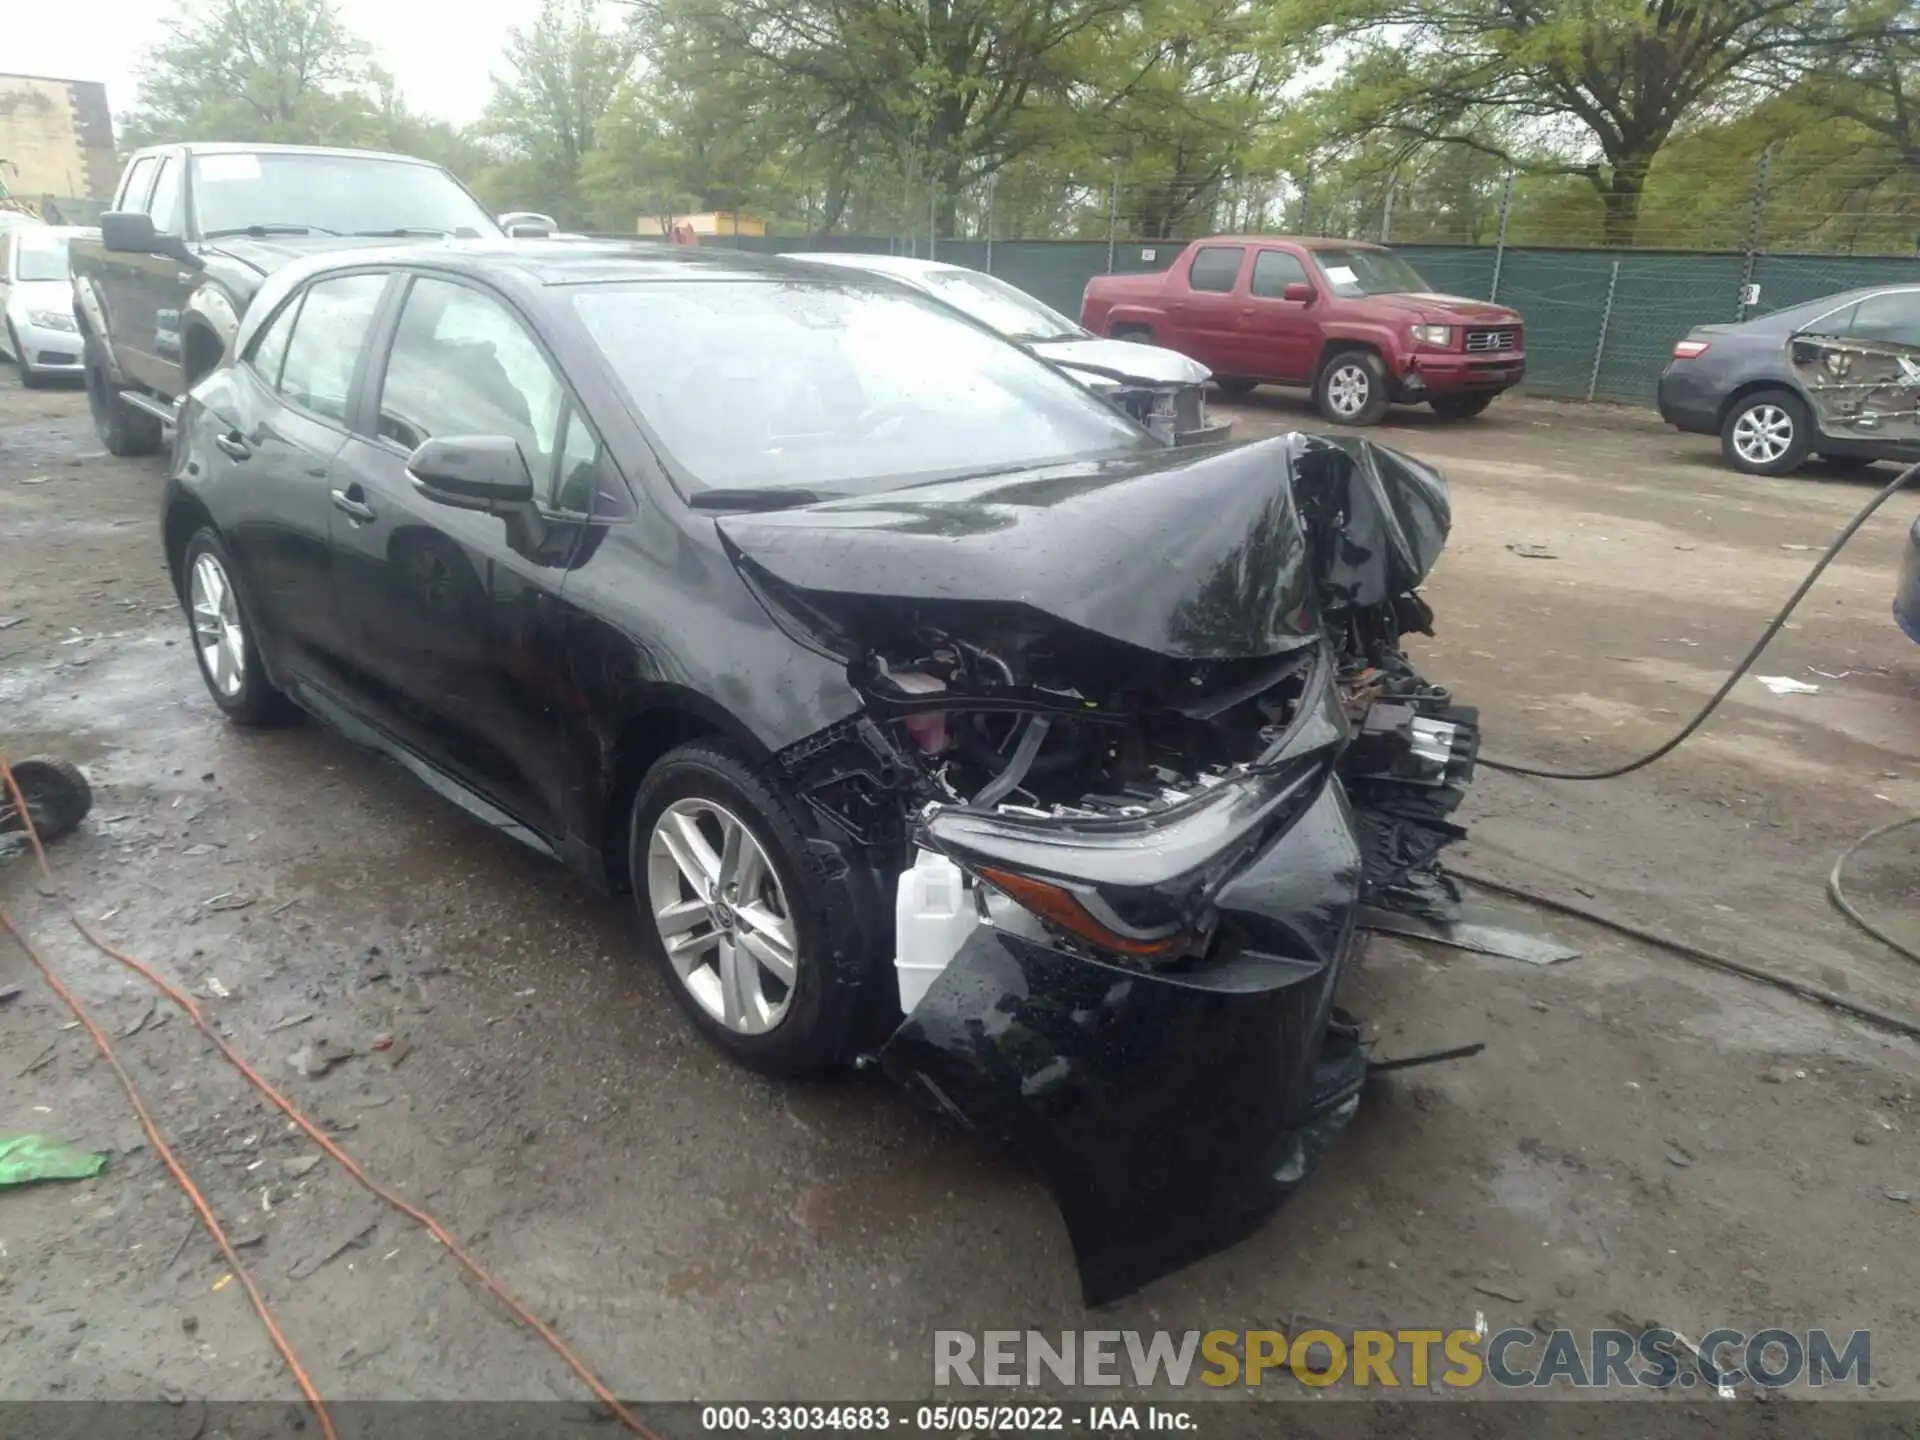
{"x": 50, "y": 319}
{"x": 1433, "y": 334}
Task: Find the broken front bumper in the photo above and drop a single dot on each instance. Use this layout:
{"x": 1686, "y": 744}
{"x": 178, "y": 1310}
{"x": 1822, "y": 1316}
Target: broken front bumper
{"x": 1168, "y": 1112}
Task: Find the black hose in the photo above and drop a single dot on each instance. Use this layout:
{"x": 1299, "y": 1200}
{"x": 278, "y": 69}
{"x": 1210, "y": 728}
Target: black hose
{"x": 1746, "y": 663}
{"x": 1839, "y": 896}
{"x": 1713, "y": 960}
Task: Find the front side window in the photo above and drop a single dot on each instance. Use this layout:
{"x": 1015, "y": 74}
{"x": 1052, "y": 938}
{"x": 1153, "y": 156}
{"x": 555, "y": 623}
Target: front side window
{"x": 328, "y": 334}
{"x": 164, "y": 208}
{"x": 761, "y": 383}
{"x": 462, "y": 364}
{"x": 1892, "y": 318}
{"x": 331, "y": 195}
{"x": 1273, "y": 271}
{"x": 133, "y": 194}
{"x": 1215, "y": 268}
{"x": 1369, "y": 272}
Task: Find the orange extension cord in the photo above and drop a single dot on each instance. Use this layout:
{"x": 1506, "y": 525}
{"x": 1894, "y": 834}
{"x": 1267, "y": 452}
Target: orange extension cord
{"x": 326, "y": 1142}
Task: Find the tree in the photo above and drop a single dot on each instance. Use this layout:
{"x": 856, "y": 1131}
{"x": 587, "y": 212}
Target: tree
{"x": 269, "y": 70}
{"x": 564, "y": 73}
{"x": 1612, "y": 81}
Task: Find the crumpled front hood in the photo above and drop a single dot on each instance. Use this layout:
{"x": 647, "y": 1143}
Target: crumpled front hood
{"x": 1203, "y": 557}
{"x": 1148, "y": 364}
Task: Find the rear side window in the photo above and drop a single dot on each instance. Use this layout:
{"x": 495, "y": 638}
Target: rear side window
{"x": 133, "y": 195}
{"x": 1215, "y": 268}
{"x": 1273, "y": 271}
{"x": 317, "y": 371}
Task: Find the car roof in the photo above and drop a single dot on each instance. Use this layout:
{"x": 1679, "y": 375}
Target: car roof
{"x": 235, "y": 147}
{"x": 1308, "y": 242}
{"x": 579, "y": 262}
{"x": 905, "y": 266}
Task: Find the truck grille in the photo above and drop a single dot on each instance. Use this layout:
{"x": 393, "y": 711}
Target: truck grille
{"x": 1492, "y": 339}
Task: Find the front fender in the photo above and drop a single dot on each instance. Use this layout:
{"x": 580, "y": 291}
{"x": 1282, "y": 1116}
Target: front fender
{"x": 91, "y": 311}
{"x": 210, "y": 306}
{"x": 1341, "y": 335}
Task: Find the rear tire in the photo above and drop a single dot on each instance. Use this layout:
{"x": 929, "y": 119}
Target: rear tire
{"x": 793, "y": 1014}
{"x": 1236, "y": 384}
{"x": 1460, "y": 407}
{"x": 1352, "y": 388}
{"x": 1767, "y": 433}
{"x": 1138, "y": 334}
{"x": 225, "y": 643}
{"x": 124, "y": 430}
{"x": 57, "y": 795}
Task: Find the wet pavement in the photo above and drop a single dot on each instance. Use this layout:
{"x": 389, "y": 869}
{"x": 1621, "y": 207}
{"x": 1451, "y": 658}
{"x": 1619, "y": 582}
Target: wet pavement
{"x": 1641, "y": 1139}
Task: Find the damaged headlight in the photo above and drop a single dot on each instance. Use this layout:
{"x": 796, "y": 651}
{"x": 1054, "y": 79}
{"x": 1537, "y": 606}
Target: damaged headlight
{"x": 1138, "y": 887}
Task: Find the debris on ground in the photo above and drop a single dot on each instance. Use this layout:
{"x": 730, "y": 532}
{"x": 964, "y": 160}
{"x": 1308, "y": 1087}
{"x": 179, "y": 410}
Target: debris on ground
{"x": 1787, "y": 685}
{"x": 9, "y": 992}
{"x": 355, "y": 1235}
{"x": 26, "y": 1159}
{"x": 1528, "y": 551}
{"x": 317, "y": 1057}
{"x": 1513, "y": 1297}
{"x": 299, "y": 1165}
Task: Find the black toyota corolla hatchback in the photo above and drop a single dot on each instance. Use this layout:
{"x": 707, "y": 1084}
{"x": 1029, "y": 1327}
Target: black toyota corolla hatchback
{"x": 791, "y": 601}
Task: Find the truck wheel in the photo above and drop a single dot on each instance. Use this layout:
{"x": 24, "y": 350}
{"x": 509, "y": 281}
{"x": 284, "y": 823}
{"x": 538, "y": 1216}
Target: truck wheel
{"x": 1235, "y": 384}
{"x": 1460, "y": 407}
{"x": 1352, "y": 388}
{"x": 1766, "y": 433}
{"x": 1138, "y": 334}
{"x": 121, "y": 428}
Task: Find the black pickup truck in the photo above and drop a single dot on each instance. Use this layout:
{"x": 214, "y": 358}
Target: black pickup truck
{"x": 193, "y": 232}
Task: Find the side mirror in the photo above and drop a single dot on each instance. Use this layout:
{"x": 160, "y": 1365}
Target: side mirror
{"x": 527, "y": 225}
{"x": 472, "y": 472}
{"x": 128, "y": 232}
{"x": 1299, "y": 291}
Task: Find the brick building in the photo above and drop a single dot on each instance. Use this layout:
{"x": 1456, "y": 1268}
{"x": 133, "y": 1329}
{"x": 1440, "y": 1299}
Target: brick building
{"x": 56, "y": 140}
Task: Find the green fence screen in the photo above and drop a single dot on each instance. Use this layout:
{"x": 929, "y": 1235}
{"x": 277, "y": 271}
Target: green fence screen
{"x": 1600, "y": 323}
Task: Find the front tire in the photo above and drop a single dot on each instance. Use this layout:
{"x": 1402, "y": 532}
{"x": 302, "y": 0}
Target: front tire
{"x": 734, "y": 914}
{"x": 1138, "y": 334}
{"x": 1767, "y": 433}
{"x": 224, "y": 641}
{"x": 1460, "y": 407}
{"x": 1236, "y": 384}
{"x": 124, "y": 430}
{"x": 1352, "y": 388}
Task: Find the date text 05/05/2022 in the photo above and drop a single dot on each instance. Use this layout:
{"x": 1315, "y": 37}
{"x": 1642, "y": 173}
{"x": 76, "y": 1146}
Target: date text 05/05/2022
{"x": 946, "y": 1419}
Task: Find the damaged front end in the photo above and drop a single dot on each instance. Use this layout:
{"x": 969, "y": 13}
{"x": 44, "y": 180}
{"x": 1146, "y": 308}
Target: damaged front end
{"x": 1156, "y": 731}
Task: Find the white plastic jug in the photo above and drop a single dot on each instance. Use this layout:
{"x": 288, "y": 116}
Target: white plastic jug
{"x": 933, "y": 913}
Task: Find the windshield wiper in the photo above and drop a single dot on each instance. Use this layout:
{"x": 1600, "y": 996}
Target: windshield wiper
{"x": 269, "y": 228}
{"x": 403, "y": 230}
{"x": 771, "y": 497}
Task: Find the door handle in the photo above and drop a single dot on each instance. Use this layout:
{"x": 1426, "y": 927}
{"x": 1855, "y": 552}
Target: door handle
{"x": 233, "y": 444}
{"x": 349, "y": 503}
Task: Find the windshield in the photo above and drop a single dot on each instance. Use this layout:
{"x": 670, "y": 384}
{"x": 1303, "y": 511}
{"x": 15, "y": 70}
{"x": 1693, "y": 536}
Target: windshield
{"x": 994, "y": 303}
{"x": 1369, "y": 272}
{"x": 41, "y": 257}
{"x": 336, "y": 194}
{"x": 761, "y": 383}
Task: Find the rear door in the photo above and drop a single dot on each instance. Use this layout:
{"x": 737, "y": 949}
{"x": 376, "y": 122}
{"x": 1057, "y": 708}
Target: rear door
{"x": 1274, "y": 338}
{"x": 279, "y": 418}
{"x": 1205, "y": 314}
{"x": 458, "y": 637}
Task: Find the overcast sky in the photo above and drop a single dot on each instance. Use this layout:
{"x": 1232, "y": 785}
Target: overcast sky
{"x": 441, "y": 50}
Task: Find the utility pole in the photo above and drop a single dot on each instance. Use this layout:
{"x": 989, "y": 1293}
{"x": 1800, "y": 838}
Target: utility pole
{"x": 1756, "y": 231}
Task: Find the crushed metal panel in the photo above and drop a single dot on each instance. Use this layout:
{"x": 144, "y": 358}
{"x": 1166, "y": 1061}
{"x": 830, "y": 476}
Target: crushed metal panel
{"x": 1861, "y": 389}
{"x": 1476, "y": 928}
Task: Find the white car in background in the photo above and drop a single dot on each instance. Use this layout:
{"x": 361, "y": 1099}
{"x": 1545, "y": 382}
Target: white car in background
{"x": 37, "y": 330}
{"x": 1161, "y": 388}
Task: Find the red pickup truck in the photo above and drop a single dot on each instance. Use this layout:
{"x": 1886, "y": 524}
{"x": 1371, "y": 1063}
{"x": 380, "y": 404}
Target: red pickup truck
{"x": 1354, "y": 323}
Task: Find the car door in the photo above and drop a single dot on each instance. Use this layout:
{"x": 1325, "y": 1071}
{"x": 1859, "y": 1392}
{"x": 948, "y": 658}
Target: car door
{"x": 1274, "y": 338}
{"x": 153, "y": 288}
{"x": 1205, "y": 314}
{"x": 122, "y": 291}
{"x": 459, "y": 643}
{"x": 277, "y": 419}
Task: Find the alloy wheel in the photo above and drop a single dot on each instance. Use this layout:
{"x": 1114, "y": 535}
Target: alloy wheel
{"x": 216, "y": 626}
{"x": 1348, "y": 390}
{"x": 722, "y": 915}
{"x": 1763, "y": 434}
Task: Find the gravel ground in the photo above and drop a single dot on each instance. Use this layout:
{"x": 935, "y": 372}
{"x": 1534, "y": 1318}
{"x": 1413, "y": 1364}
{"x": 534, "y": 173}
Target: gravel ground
{"x": 1642, "y": 1140}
